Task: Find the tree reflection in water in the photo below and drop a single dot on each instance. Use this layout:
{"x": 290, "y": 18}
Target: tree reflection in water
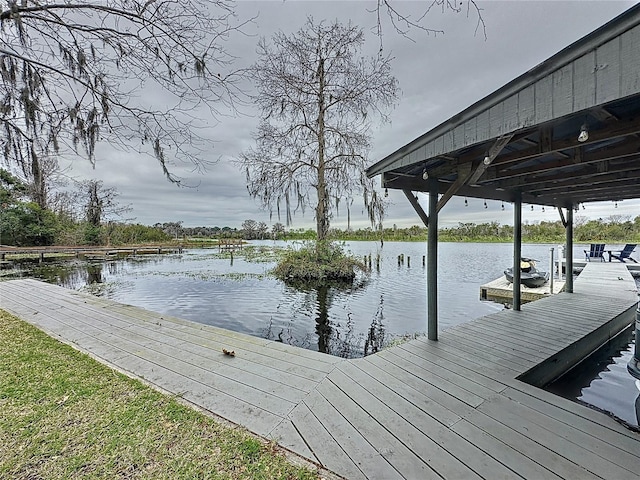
{"x": 331, "y": 337}
{"x": 73, "y": 274}
{"x": 375, "y": 338}
{"x": 94, "y": 273}
{"x": 323, "y": 325}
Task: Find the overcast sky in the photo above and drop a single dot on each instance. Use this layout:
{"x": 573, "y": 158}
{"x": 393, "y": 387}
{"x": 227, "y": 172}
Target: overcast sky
{"x": 439, "y": 76}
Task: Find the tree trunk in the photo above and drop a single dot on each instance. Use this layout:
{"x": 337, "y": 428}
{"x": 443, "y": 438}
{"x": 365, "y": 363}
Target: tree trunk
{"x": 39, "y": 190}
{"x": 322, "y": 209}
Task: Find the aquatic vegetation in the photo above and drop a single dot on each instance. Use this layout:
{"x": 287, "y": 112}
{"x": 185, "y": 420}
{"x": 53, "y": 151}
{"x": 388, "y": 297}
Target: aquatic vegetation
{"x": 103, "y": 289}
{"x": 318, "y": 262}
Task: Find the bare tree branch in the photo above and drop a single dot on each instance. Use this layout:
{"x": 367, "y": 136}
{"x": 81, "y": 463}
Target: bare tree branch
{"x": 403, "y": 23}
{"x": 71, "y": 74}
{"x": 318, "y": 97}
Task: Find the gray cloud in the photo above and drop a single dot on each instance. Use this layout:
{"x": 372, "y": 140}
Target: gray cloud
{"x": 439, "y": 76}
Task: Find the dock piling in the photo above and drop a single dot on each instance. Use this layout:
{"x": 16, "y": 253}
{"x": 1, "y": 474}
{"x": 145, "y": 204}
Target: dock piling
{"x": 551, "y": 275}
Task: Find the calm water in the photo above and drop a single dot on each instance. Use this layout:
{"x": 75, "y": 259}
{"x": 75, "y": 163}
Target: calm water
{"x": 202, "y": 286}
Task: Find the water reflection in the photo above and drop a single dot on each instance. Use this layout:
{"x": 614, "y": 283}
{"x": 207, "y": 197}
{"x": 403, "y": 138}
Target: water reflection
{"x": 332, "y": 337}
{"x": 375, "y": 337}
{"x": 94, "y": 273}
{"x": 323, "y": 326}
{"x": 608, "y": 390}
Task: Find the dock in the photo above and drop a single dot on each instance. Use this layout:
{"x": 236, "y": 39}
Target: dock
{"x": 500, "y": 290}
{"x": 87, "y": 251}
{"x": 230, "y": 244}
{"x": 454, "y": 408}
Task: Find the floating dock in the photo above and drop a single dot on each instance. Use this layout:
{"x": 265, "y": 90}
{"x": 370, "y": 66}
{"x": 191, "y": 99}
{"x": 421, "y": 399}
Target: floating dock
{"x": 500, "y": 290}
{"x": 454, "y": 408}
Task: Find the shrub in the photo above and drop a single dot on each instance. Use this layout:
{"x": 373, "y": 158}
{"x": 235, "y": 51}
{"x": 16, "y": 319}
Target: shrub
{"x": 318, "y": 262}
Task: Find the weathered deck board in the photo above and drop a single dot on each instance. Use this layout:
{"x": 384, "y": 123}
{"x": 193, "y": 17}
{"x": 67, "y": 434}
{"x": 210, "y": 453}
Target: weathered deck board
{"x": 519, "y": 463}
{"x": 409, "y": 464}
{"x": 221, "y": 372}
{"x": 427, "y": 438}
{"x": 583, "y": 450}
{"x": 459, "y": 386}
{"x": 432, "y": 401}
{"x": 369, "y": 461}
{"x": 321, "y": 442}
{"x": 200, "y": 335}
{"x": 441, "y": 360}
{"x": 478, "y": 362}
{"x": 522, "y": 443}
{"x": 447, "y": 409}
{"x": 566, "y": 411}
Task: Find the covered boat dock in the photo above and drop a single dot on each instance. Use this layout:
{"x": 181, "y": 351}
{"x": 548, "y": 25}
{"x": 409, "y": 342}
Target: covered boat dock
{"x": 567, "y": 132}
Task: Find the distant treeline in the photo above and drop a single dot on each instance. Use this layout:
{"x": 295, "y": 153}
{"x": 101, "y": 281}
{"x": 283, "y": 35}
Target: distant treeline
{"x": 618, "y": 229}
{"x": 47, "y": 229}
{"x": 615, "y": 229}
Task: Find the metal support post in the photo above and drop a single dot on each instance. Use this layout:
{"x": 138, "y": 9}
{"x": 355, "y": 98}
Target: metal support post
{"x": 517, "y": 250}
{"x": 551, "y": 274}
{"x": 568, "y": 286}
{"x": 432, "y": 262}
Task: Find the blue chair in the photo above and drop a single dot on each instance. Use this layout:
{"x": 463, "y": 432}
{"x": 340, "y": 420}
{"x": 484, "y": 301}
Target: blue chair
{"x": 624, "y": 253}
{"x": 596, "y": 251}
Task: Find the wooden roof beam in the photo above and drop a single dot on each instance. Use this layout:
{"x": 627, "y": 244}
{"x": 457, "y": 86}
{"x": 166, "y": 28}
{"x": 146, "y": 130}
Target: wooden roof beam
{"x": 592, "y": 195}
{"x": 585, "y": 188}
{"x": 493, "y": 152}
{"x": 503, "y": 175}
{"x": 620, "y": 176}
{"x": 413, "y": 200}
{"x": 464, "y": 174}
{"x": 590, "y": 170}
{"x": 616, "y": 130}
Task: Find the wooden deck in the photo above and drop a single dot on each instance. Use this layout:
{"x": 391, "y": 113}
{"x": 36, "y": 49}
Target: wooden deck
{"x": 454, "y": 408}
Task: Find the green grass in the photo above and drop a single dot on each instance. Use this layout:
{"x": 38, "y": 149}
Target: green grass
{"x": 64, "y": 415}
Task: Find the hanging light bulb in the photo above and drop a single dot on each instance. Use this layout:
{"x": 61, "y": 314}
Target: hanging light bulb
{"x": 532, "y": 208}
{"x": 543, "y": 208}
{"x": 485, "y": 204}
{"x": 386, "y": 192}
{"x": 584, "y": 133}
{"x": 466, "y": 203}
{"x": 425, "y": 174}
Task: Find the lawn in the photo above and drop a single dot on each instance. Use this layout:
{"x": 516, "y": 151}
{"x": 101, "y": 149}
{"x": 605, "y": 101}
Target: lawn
{"x": 65, "y": 415}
